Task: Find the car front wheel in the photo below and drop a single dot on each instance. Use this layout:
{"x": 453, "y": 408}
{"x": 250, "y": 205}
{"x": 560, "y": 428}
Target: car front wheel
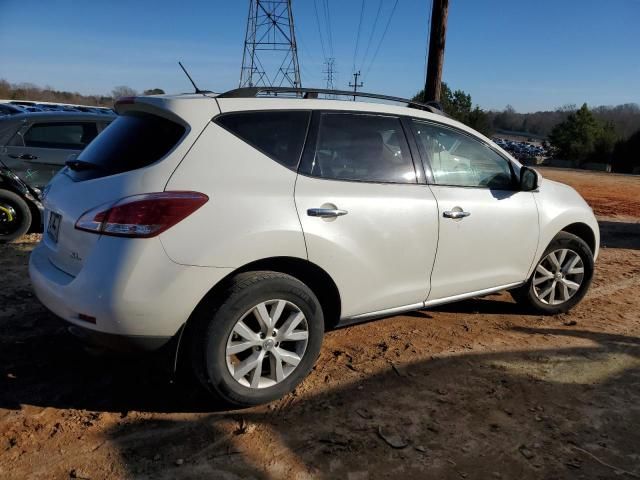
{"x": 261, "y": 340}
{"x": 561, "y": 277}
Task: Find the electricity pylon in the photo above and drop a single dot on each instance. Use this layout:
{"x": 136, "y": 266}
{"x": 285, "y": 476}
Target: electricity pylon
{"x": 329, "y": 73}
{"x": 270, "y": 55}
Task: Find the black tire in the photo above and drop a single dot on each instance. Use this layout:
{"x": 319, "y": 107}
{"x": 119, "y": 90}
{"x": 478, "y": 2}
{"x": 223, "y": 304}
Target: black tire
{"x": 526, "y": 294}
{"x": 216, "y": 320}
{"x": 15, "y": 216}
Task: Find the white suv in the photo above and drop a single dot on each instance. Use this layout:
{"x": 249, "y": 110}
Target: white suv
{"x": 243, "y": 226}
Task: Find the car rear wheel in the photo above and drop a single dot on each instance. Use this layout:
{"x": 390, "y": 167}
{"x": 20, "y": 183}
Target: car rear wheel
{"x": 15, "y": 216}
{"x": 561, "y": 277}
{"x": 260, "y": 341}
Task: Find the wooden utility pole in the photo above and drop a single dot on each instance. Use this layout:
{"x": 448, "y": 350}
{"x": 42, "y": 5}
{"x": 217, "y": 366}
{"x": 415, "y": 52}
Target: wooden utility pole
{"x": 355, "y": 84}
{"x": 437, "y": 36}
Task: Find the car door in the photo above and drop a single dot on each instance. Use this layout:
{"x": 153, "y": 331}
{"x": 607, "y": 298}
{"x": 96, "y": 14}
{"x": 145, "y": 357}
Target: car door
{"x": 368, "y": 219}
{"x": 488, "y": 228}
{"x": 39, "y": 149}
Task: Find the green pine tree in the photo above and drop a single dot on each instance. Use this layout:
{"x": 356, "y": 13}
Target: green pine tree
{"x": 582, "y": 138}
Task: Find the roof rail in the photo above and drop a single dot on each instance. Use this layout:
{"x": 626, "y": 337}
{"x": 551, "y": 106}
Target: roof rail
{"x": 250, "y": 92}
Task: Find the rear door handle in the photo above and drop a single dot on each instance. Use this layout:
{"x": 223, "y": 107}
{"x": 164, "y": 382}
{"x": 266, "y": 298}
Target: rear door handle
{"x": 24, "y": 156}
{"x": 455, "y": 214}
{"x": 326, "y": 212}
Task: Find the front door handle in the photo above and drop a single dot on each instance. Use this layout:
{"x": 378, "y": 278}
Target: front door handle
{"x": 24, "y": 156}
{"x": 456, "y": 214}
{"x": 326, "y": 212}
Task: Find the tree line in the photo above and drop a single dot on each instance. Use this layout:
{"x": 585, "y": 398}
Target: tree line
{"x": 624, "y": 118}
{"x": 29, "y": 91}
{"x": 604, "y": 134}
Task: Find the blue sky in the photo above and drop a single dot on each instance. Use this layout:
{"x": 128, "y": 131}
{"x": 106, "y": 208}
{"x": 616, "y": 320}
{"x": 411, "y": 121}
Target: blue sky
{"x": 532, "y": 55}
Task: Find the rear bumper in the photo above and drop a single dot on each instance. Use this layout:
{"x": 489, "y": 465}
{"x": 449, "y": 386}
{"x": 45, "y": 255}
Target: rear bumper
{"x": 133, "y": 291}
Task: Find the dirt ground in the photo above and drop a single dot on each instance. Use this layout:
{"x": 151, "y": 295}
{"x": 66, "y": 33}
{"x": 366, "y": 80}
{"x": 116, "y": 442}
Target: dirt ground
{"x": 472, "y": 390}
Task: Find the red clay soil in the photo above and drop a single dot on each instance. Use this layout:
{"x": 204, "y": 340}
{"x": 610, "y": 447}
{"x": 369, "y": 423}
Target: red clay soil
{"x": 608, "y": 194}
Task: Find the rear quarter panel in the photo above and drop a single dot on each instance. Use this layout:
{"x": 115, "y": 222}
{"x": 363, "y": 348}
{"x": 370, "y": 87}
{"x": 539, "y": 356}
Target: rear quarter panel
{"x": 251, "y": 211}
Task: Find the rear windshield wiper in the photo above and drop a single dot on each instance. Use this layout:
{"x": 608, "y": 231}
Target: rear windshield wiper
{"x": 79, "y": 165}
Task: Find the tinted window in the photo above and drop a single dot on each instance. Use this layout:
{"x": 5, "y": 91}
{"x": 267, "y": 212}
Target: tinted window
{"x": 72, "y": 136}
{"x": 368, "y": 148}
{"x": 458, "y": 159}
{"x": 133, "y": 140}
{"x": 280, "y": 135}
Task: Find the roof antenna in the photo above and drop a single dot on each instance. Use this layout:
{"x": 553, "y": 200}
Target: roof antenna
{"x": 191, "y": 79}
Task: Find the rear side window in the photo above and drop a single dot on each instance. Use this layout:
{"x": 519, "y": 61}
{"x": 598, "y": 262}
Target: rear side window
{"x": 69, "y": 136}
{"x": 361, "y": 147}
{"x": 133, "y": 140}
{"x": 278, "y": 134}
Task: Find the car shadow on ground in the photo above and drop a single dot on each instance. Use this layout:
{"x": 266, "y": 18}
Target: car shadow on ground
{"x": 620, "y": 234}
{"x": 525, "y": 414}
{"x": 43, "y": 364}
{"x": 58, "y": 372}
{"x": 494, "y": 303}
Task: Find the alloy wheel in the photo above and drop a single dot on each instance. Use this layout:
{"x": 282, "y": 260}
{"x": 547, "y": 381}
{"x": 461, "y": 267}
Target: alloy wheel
{"x": 558, "y": 276}
{"x": 267, "y": 343}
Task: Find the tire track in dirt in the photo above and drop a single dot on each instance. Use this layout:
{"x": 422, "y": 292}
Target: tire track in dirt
{"x": 609, "y": 289}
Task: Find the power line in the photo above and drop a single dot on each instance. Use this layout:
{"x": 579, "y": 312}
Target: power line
{"x": 327, "y": 52}
{"x": 355, "y": 52}
{"x": 328, "y": 25}
{"x": 304, "y": 53}
{"x": 315, "y": 7}
{"x": 375, "y": 23}
{"x": 381, "y": 38}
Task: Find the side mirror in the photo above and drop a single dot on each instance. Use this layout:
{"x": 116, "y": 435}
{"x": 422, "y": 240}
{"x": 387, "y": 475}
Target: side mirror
{"x": 529, "y": 180}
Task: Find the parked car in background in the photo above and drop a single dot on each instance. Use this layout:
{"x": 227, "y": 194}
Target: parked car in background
{"x": 521, "y": 150}
{"x": 10, "y": 109}
{"x": 242, "y": 227}
{"x": 33, "y": 147}
{"x": 50, "y": 107}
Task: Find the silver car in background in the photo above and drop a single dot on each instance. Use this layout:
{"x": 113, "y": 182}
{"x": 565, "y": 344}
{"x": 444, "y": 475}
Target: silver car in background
{"x": 33, "y": 147}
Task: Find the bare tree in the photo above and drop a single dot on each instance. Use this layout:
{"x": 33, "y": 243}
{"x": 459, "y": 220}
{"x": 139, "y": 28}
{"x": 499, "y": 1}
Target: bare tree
{"x": 123, "y": 91}
{"x": 5, "y": 89}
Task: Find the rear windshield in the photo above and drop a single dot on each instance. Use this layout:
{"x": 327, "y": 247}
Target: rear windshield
{"x": 133, "y": 140}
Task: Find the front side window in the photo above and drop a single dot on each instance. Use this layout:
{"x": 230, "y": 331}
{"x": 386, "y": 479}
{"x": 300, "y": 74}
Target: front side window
{"x": 70, "y": 136}
{"x": 459, "y": 160}
{"x": 278, "y": 134}
{"x": 360, "y": 147}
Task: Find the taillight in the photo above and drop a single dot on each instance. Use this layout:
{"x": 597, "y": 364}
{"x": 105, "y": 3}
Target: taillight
{"x": 141, "y": 216}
